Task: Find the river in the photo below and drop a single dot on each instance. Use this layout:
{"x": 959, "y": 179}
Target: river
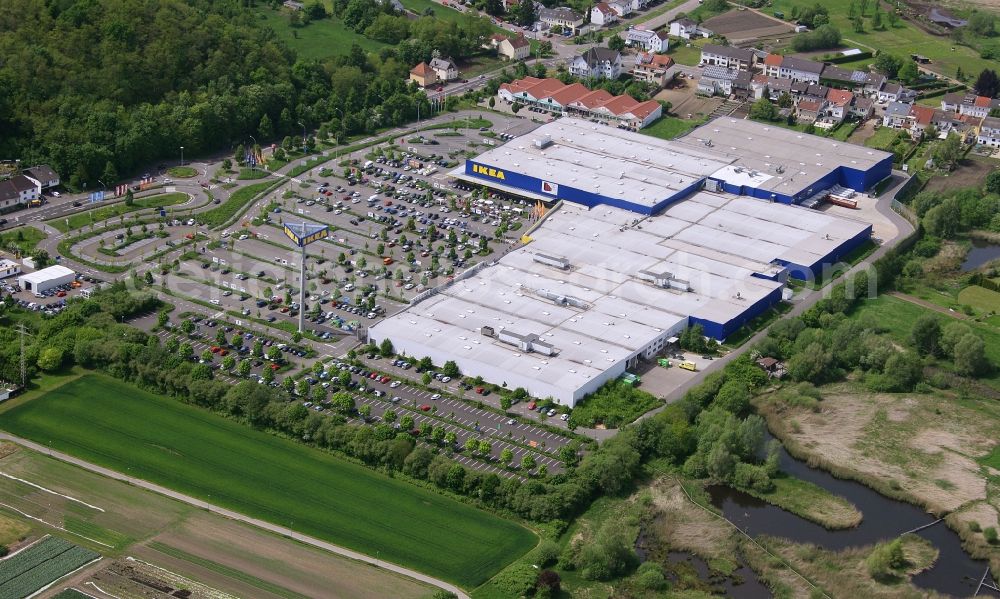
{"x": 954, "y": 572}
{"x": 982, "y": 251}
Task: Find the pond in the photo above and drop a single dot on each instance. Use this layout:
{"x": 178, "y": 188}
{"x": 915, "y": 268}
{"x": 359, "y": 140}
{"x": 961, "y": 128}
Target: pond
{"x": 954, "y": 573}
{"x": 982, "y": 252}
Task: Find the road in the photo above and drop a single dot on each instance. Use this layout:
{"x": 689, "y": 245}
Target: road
{"x": 193, "y": 501}
{"x": 665, "y": 18}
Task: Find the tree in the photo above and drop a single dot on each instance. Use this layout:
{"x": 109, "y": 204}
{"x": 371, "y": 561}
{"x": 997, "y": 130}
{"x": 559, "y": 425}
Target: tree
{"x": 888, "y": 64}
{"x": 992, "y": 184}
{"x": 506, "y": 455}
{"x": 268, "y": 375}
{"x": 471, "y": 445}
{"x": 527, "y": 462}
{"x": 365, "y": 411}
{"x": 909, "y": 72}
{"x": 161, "y": 318}
{"x": 982, "y": 24}
{"x": 987, "y": 84}
{"x": 925, "y": 335}
{"x": 941, "y": 221}
{"x": 385, "y": 348}
{"x": 184, "y": 350}
{"x": 524, "y": 14}
{"x": 50, "y": 359}
{"x": 948, "y": 152}
{"x": 450, "y": 368}
{"x": 885, "y": 558}
{"x": 207, "y": 355}
{"x": 302, "y": 388}
{"x": 425, "y": 364}
{"x": 437, "y": 435}
{"x": 228, "y": 362}
{"x": 763, "y": 110}
{"x": 406, "y": 423}
{"x": 450, "y": 438}
{"x": 877, "y": 19}
{"x": 970, "y": 356}
{"x": 616, "y": 42}
{"x": 129, "y": 198}
{"x": 485, "y": 448}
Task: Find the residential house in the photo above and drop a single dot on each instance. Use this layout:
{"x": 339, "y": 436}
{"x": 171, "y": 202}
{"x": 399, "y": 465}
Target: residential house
{"x": 790, "y": 67}
{"x": 977, "y": 106}
{"x": 740, "y": 59}
{"x": 650, "y": 41}
{"x": 862, "y": 108}
{"x": 602, "y": 14}
{"x": 622, "y": 8}
{"x": 445, "y": 68}
{"x": 639, "y": 4}
{"x": 653, "y": 68}
{"x": 423, "y": 75}
{"x": 562, "y": 17}
{"x": 896, "y": 115}
{"x": 890, "y": 92}
{"x": 17, "y": 191}
{"x": 874, "y": 82}
{"x": 742, "y": 84}
{"x": 686, "y": 29}
{"x": 716, "y": 80}
{"x": 43, "y": 173}
{"x": 808, "y": 111}
{"x": 772, "y": 85}
{"x": 515, "y": 48}
{"x": 552, "y": 95}
{"x": 989, "y": 132}
{"x": 602, "y": 63}
{"x": 920, "y": 120}
{"x": 951, "y": 102}
{"x": 838, "y": 106}
{"x": 834, "y": 75}
{"x": 945, "y": 121}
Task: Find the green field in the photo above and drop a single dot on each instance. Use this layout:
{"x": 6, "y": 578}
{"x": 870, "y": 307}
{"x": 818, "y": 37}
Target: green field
{"x": 883, "y": 139}
{"x": 182, "y": 172}
{"x": 83, "y": 219}
{"x": 898, "y": 316}
{"x": 23, "y": 238}
{"x": 319, "y": 39}
{"x": 236, "y": 202}
{"x": 684, "y": 54}
{"x": 904, "y": 39}
{"x": 669, "y": 127}
{"x": 980, "y": 298}
{"x": 107, "y": 422}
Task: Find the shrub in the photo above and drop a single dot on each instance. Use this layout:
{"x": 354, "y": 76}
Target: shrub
{"x": 990, "y": 534}
{"x": 546, "y": 553}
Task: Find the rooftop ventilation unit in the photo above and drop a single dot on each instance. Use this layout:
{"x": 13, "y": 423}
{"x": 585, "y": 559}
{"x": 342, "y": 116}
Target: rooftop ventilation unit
{"x": 543, "y": 142}
{"x": 556, "y": 261}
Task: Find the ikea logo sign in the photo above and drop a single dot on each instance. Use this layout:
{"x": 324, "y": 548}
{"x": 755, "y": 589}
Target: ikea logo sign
{"x": 489, "y": 172}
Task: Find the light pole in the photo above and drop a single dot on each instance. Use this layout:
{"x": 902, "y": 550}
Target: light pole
{"x": 303, "y": 138}
{"x": 182, "y": 155}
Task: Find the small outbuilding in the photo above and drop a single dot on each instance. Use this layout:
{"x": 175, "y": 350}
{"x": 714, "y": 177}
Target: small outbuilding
{"x": 41, "y": 281}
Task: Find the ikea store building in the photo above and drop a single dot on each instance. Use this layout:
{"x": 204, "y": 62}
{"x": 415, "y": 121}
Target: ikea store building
{"x": 650, "y": 237}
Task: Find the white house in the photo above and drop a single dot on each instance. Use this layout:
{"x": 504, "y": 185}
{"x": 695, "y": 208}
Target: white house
{"x": 9, "y": 268}
{"x": 622, "y": 8}
{"x": 790, "y": 67}
{"x": 445, "y": 68}
{"x": 686, "y": 28}
{"x": 717, "y": 80}
{"x": 602, "y": 63}
{"x": 653, "y": 68}
{"x": 18, "y": 190}
{"x": 602, "y": 14}
{"x": 740, "y": 59}
{"x": 890, "y": 92}
{"x": 989, "y": 132}
{"x": 516, "y": 48}
{"x": 561, "y": 17}
{"x": 44, "y": 174}
{"x": 650, "y": 41}
{"x": 896, "y": 114}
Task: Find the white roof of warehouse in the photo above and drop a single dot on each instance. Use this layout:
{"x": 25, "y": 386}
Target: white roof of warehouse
{"x": 714, "y": 242}
{"x": 46, "y": 274}
{"x": 605, "y": 160}
{"x": 759, "y": 151}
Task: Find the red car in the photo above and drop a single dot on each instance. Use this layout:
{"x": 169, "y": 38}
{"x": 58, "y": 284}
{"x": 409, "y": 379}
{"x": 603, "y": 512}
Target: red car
{"x": 275, "y": 366}
{"x": 373, "y": 376}
{"x": 425, "y": 408}
{"x": 532, "y": 406}
{"x": 215, "y": 349}
{"x": 384, "y": 380}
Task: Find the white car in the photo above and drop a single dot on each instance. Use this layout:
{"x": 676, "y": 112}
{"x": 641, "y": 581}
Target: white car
{"x": 436, "y": 396}
{"x": 215, "y": 302}
{"x": 564, "y": 417}
{"x": 550, "y": 413}
{"x": 55, "y": 194}
{"x": 394, "y": 384}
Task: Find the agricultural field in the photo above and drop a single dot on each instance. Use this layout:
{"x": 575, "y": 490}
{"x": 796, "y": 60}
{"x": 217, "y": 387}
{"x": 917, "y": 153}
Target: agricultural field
{"x": 224, "y": 554}
{"x": 82, "y": 219}
{"x": 107, "y": 422}
{"x": 41, "y": 564}
{"x": 903, "y": 39}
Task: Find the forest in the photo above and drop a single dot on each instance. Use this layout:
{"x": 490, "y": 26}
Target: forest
{"x": 102, "y": 89}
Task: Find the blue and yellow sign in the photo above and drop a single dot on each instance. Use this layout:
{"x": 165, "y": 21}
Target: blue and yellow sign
{"x": 493, "y": 173}
{"x": 302, "y": 234}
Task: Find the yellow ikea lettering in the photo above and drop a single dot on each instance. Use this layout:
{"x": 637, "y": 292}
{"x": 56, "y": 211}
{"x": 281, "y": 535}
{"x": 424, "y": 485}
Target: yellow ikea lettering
{"x": 489, "y": 172}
